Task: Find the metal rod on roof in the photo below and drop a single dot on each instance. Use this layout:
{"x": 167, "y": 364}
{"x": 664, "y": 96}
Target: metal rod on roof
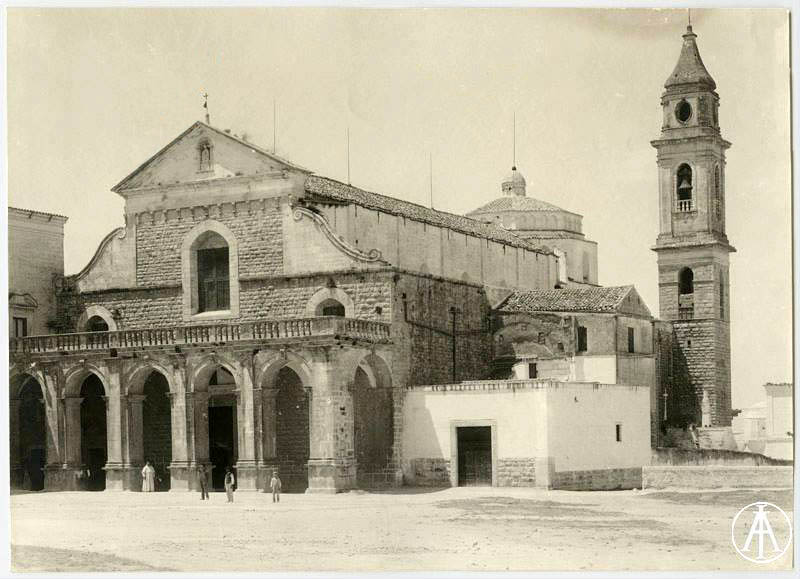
{"x": 348, "y": 155}
{"x": 430, "y": 173}
{"x": 205, "y": 106}
{"x": 514, "y": 160}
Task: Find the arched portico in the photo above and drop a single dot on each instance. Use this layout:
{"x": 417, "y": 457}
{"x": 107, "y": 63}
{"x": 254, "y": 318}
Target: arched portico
{"x": 285, "y": 386}
{"x": 373, "y": 422}
{"x": 28, "y": 432}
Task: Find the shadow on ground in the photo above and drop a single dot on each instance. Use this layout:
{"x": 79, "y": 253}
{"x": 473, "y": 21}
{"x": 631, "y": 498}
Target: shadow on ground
{"x": 26, "y": 558}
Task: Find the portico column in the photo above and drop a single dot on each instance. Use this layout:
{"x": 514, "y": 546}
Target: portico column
{"x": 135, "y": 447}
{"x": 180, "y": 471}
{"x": 116, "y": 422}
{"x": 329, "y": 469}
{"x": 268, "y": 425}
{"x": 72, "y": 424}
{"x": 53, "y": 456}
{"x": 246, "y": 464}
{"x": 200, "y": 423}
{"x": 17, "y": 471}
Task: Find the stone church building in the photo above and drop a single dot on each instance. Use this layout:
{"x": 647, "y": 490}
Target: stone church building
{"x": 253, "y": 314}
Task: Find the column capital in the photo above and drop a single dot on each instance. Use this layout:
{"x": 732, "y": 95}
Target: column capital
{"x": 136, "y": 398}
{"x": 269, "y": 393}
{"x": 73, "y": 399}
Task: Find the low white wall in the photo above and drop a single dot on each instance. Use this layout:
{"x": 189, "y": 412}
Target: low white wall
{"x": 574, "y": 424}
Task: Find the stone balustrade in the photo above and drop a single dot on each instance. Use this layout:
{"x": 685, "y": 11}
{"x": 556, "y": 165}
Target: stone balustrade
{"x": 264, "y": 330}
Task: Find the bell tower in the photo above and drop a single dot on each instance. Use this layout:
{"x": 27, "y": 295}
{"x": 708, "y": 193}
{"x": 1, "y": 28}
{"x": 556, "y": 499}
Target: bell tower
{"x": 692, "y": 246}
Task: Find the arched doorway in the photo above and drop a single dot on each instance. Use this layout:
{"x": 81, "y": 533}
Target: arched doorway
{"x": 94, "y": 442}
{"x": 32, "y": 434}
{"x": 157, "y": 427}
{"x": 292, "y": 436}
{"x": 96, "y": 324}
{"x": 223, "y": 443}
{"x": 373, "y": 423}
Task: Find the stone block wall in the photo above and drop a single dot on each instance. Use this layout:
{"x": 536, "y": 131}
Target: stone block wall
{"x": 430, "y": 472}
{"x": 257, "y": 225}
{"x": 705, "y": 347}
{"x": 599, "y": 479}
{"x": 516, "y": 472}
{"x": 425, "y": 329}
{"x": 717, "y": 477}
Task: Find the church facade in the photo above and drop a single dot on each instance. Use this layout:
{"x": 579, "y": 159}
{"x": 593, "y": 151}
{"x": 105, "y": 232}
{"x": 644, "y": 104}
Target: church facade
{"x": 253, "y": 314}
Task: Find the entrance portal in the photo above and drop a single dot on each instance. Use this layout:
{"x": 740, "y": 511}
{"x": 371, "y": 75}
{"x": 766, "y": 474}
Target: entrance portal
{"x": 221, "y": 438}
{"x": 157, "y": 428}
{"x": 32, "y": 435}
{"x": 474, "y": 455}
{"x": 94, "y": 446}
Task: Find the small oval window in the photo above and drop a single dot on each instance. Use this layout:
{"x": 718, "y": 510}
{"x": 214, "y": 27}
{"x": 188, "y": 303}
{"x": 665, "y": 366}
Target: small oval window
{"x": 683, "y": 111}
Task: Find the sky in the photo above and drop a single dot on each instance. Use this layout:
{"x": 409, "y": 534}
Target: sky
{"x": 92, "y": 93}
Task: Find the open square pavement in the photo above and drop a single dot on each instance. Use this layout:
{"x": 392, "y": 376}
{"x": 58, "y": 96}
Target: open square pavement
{"x": 481, "y": 529}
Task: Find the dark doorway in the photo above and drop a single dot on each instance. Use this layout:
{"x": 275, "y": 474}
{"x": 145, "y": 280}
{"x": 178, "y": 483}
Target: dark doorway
{"x": 157, "y": 427}
{"x": 32, "y": 435}
{"x": 474, "y": 455}
{"x": 292, "y": 444}
{"x": 373, "y": 432}
{"x": 94, "y": 446}
{"x": 221, "y": 435}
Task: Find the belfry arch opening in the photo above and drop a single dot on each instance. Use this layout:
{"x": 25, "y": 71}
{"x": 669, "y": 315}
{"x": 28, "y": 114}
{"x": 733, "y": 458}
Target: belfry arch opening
{"x": 30, "y": 434}
{"x": 94, "y": 441}
{"x": 686, "y": 281}
{"x": 157, "y": 427}
{"x": 292, "y": 430}
{"x": 684, "y": 185}
{"x": 373, "y": 423}
{"x": 685, "y": 294}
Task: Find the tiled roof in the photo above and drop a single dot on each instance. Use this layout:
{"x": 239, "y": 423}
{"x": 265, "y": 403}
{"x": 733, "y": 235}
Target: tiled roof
{"x": 690, "y": 68}
{"x": 336, "y": 191}
{"x": 596, "y": 299}
{"x": 29, "y": 212}
{"x": 549, "y": 234}
{"x": 516, "y": 203}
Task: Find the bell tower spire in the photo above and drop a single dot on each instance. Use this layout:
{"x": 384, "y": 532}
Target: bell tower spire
{"x": 692, "y": 246}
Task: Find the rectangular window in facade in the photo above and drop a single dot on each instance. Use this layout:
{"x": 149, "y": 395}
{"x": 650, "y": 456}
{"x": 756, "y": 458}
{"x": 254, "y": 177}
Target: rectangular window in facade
{"x": 213, "y": 284}
{"x": 631, "y": 341}
{"x": 583, "y": 342}
{"x": 619, "y": 432}
{"x": 20, "y": 327}
{"x": 532, "y": 371}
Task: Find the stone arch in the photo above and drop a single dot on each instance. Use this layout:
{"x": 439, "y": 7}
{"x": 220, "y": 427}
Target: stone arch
{"x": 189, "y": 270}
{"x": 206, "y": 366}
{"x": 96, "y": 312}
{"x": 286, "y": 412}
{"x": 325, "y": 295}
{"x": 28, "y": 431}
{"x": 373, "y": 422}
{"x": 135, "y": 378}
{"x": 76, "y": 375}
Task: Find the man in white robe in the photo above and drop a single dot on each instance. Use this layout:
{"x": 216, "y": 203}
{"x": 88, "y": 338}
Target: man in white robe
{"x": 148, "y": 478}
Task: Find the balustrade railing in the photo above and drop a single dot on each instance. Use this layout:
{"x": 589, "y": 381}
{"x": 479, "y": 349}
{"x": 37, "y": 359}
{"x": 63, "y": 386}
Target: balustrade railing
{"x": 685, "y": 205}
{"x": 205, "y": 334}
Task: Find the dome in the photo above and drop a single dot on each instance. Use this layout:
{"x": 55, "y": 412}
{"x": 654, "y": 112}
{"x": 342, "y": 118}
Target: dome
{"x": 514, "y": 184}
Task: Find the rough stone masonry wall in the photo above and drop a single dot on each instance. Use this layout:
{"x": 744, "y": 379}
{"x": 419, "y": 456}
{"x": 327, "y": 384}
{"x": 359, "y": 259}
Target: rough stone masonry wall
{"x": 257, "y": 226}
{"x": 705, "y": 346}
{"x": 427, "y": 337}
{"x": 272, "y": 298}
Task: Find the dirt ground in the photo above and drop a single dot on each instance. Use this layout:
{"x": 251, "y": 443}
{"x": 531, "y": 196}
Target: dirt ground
{"x": 480, "y": 529}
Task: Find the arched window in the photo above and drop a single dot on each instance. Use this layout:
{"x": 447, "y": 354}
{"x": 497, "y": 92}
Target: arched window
{"x": 686, "y": 281}
{"x": 717, "y": 195}
{"x": 331, "y": 307}
{"x": 684, "y": 188}
{"x": 206, "y": 158}
{"x": 213, "y": 273}
{"x": 96, "y": 324}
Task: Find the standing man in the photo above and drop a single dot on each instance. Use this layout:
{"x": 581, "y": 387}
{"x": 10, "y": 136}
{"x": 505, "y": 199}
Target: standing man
{"x": 202, "y": 483}
{"x": 148, "y": 478}
{"x": 230, "y": 480}
{"x": 275, "y": 485}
